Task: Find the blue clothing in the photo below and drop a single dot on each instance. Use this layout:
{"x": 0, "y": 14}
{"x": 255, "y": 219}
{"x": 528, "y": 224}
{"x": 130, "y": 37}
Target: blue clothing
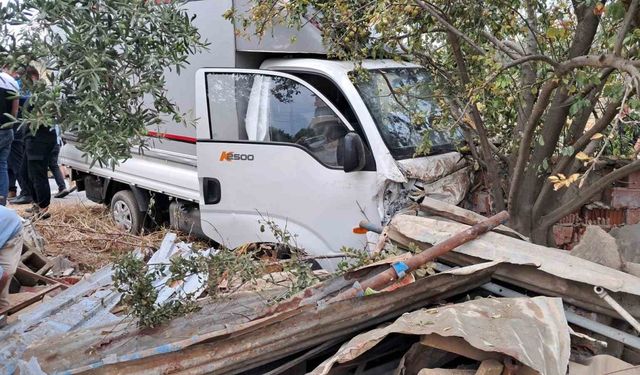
{"x": 10, "y": 225}
{"x": 8, "y": 90}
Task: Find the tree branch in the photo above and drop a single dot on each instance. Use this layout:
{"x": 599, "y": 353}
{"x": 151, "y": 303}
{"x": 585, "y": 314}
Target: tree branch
{"x": 580, "y": 122}
{"x": 513, "y": 46}
{"x": 609, "y": 114}
{"x": 601, "y": 61}
{"x": 527, "y": 137}
{"x": 622, "y": 32}
{"x": 433, "y": 11}
{"x": 528, "y": 77}
{"x": 500, "y": 45}
{"x": 587, "y": 90}
{"x": 529, "y": 58}
{"x": 585, "y": 195}
{"x": 492, "y": 165}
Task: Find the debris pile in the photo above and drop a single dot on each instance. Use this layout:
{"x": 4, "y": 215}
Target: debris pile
{"x": 37, "y": 276}
{"x": 490, "y": 303}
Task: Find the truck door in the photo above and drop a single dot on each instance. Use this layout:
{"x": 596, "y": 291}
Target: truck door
{"x": 271, "y": 147}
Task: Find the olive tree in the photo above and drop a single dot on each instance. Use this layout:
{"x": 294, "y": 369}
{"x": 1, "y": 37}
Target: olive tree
{"x": 542, "y": 89}
{"x": 104, "y": 61}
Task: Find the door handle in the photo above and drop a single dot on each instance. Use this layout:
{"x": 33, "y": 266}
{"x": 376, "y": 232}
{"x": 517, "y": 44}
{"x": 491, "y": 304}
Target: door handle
{"x": 211, "y": 190}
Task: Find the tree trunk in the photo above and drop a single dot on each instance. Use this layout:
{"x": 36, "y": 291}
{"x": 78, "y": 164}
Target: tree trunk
{"x": 555, "y": 119}
{"x": 492, "y": 167}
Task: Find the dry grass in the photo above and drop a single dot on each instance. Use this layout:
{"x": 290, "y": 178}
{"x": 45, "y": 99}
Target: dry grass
{"x": 86, "y": 234}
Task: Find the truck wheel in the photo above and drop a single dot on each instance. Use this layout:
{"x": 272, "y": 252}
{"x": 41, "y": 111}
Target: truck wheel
{"x": 125, "y": 212}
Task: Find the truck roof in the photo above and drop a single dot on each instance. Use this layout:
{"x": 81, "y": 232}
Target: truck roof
{"x": 331, "y": 66}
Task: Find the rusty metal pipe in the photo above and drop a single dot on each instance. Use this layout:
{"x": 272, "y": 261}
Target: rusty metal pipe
{"x": 394, "y": 273}
{"x": 616, "y": 306}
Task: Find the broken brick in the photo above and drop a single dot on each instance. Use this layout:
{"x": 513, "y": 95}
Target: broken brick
{"x": 562, "y": 234}
{"x": 633, "y": 216}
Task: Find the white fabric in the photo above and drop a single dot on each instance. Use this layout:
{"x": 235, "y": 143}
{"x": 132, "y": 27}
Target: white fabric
{"x": 8, "y": 83}
{"x": 256, "y": 121}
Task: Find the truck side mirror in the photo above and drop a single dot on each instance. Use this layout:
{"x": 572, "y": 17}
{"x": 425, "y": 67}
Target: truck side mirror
{"x": 353, "y": 155}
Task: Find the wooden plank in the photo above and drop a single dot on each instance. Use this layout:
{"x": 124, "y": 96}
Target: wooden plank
{"x": 461, "y": 215}
{"x": 420, "y": 357}
{"x": 28, "y": 301}
{"x": 490, "y": 367}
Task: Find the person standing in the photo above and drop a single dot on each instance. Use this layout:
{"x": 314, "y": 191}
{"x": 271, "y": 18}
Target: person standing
{"x": 39, "y": 144}
{"x": 53, "y": 164}
{"x": 16, "y": 156}
{"x": 10, "y": 250}
{"x": 8, "y": 112}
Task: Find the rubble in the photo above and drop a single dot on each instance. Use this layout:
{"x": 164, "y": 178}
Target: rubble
{"x": 497, "y": 304}
{"x": 229, "y": 343}
{"x": 85, "y": 305}
{"x": 628, "y": 240}
{"x": 599, "y": 247}
{"x": 540, "y": 269}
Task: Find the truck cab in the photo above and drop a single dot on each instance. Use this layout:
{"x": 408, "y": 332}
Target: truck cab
{"x": 283, "y": 135}
{"x": 299, "y": 143}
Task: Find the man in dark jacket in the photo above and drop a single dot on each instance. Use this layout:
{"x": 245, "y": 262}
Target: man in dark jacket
{"x": 16, "y": 173}
{"x": 8, "y": 111}
{"x": 38, "y": 147}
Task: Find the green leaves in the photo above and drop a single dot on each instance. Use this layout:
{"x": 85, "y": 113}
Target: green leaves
{"x": 616, "y": 10}
{"x": 106, "y": 59}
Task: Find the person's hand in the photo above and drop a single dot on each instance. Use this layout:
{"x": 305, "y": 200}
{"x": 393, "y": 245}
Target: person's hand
{"x": 4, "y": 278}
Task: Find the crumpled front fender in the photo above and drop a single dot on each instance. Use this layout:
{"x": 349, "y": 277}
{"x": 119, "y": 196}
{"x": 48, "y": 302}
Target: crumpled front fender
{"x": 446, "y": 177}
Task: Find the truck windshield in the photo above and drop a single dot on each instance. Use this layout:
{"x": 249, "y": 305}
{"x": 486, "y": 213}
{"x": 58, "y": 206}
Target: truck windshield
{"x": 400, "y": 102}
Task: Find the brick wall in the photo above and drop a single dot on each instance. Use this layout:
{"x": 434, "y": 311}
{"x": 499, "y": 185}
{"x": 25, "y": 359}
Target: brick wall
{"x": 620, "y": 205}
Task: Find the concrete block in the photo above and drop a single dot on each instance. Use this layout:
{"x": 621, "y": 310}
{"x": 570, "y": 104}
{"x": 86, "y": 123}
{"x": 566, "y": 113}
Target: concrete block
{"x": 599, "y": 247}
{"x": 628, "y": 241}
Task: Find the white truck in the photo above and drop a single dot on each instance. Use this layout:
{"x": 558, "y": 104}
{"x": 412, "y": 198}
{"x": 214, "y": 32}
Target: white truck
{"x": 283, "y": 134}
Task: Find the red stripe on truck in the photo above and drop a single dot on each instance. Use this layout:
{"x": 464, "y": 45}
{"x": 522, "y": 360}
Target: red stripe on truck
{"x": 172, "y": 137}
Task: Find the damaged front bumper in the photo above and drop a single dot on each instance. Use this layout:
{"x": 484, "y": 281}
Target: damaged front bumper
{"x": 446, "y": 177}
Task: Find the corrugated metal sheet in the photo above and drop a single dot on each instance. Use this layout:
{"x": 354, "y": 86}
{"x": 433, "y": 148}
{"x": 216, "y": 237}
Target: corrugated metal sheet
{"x": 86, "y": 306}
{"x": 532, "y": 330}
{"x": 80, "y": 306}
{"x": 228, "y": 337}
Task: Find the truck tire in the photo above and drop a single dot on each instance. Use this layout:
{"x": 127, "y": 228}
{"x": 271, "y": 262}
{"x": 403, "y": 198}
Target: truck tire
{"x": 125, "y": 212}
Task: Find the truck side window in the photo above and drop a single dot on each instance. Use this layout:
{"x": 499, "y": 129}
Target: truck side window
{"x": 273, "y": 109}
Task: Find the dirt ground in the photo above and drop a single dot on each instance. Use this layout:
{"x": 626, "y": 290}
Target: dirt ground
{"x": 84, "y": 232}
